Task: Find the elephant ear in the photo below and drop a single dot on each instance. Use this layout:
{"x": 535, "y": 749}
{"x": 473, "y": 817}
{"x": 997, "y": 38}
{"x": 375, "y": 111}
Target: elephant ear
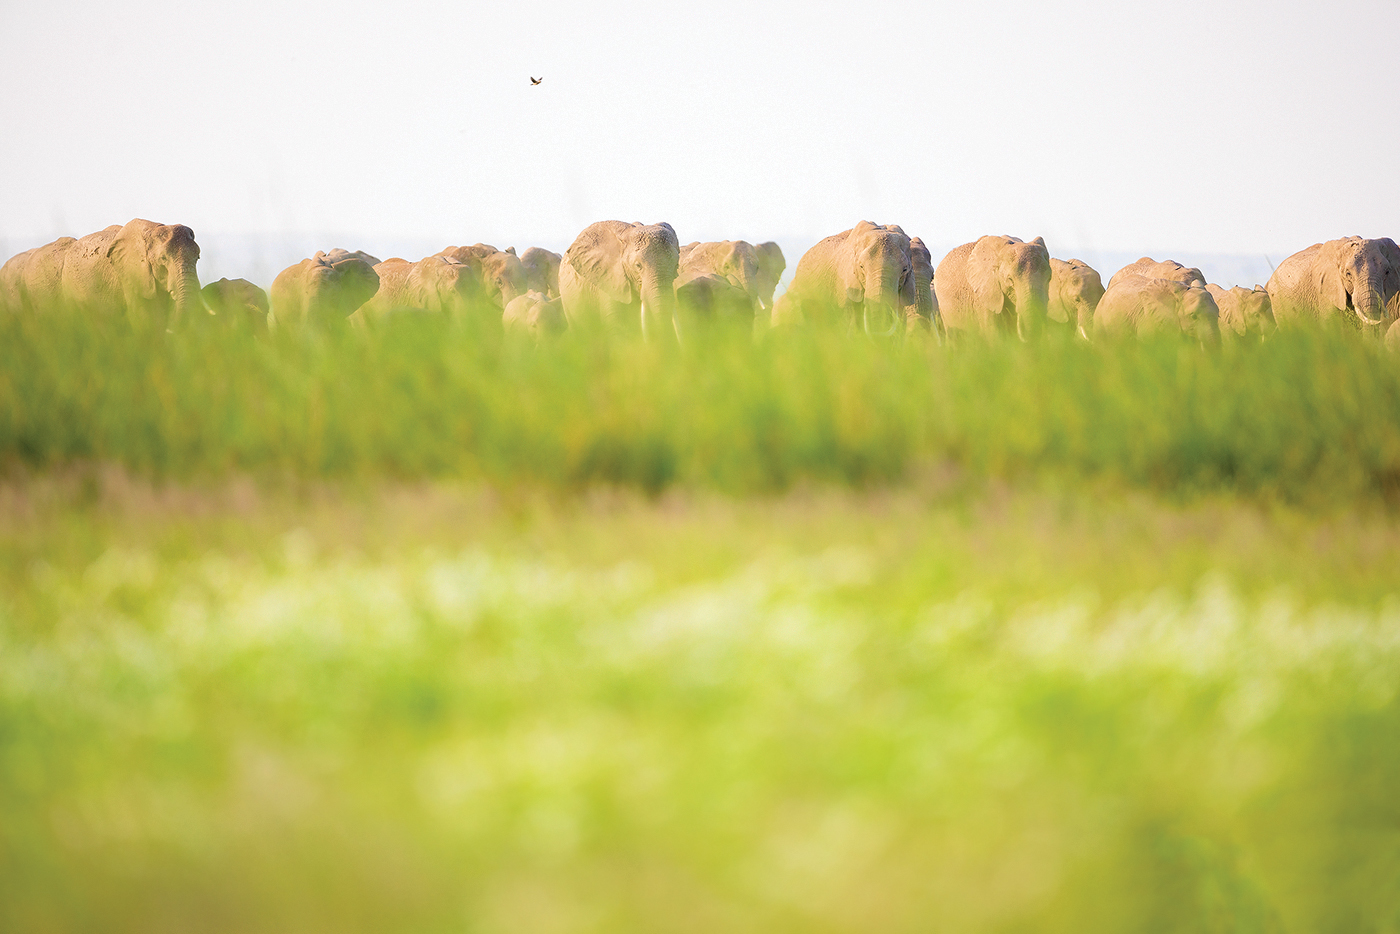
{"x": 982, "y": 278}
{"x": 130, "y": 256}
{"x": 1327, "y": 277}
{"x": 597, "y": 257}
{"x": 510, "y": 250}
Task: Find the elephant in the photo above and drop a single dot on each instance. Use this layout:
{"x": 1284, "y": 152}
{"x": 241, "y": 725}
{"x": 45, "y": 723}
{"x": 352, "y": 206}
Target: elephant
{"x": 1166, "y": 269}
{"x": 616, "y": 273}
{"x": 862, "y": 278}
{"x": 436, "y": 284}
{"x": 33, "y": 280}
{"x": 734, "y": 261}
{"x": 1352, "y": 279}
{"x": 1142, "y": 305}
{"x": 541, "y": 270}
{"x": 1075, "y": 292}
{"x": 321, "y": 290}
{"x": 236, "y": 302}
{"x": 711, "y": 299}
{"x": 534, "y": 314}
{"x": 337, "y": 254}
{"x": 142, "y": 269}
{"x": 1243, "y": 312}
{"x": 923, "y": 313}
{"x": 1392, "y": 338}
{"x": 499, "y": 274}
{"x": 995, "y": 285}
{"x": 771, "y": 264}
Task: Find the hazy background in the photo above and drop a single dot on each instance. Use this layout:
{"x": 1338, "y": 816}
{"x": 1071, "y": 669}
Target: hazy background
{"x": 1225, "y": 136}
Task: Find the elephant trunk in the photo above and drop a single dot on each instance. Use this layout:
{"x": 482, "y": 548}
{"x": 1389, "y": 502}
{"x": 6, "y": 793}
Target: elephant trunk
{"x": 1367, "y": 302}
{"x": 883, "y": 310}
{"x": 923, "y": 298}
{"x": 658, "y": 307}
{"x": 185, "y": 292}
{"x": 1032, "y": 308}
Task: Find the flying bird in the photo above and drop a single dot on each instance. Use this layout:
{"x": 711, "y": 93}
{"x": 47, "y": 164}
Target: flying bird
{"x": 536, "y": 80}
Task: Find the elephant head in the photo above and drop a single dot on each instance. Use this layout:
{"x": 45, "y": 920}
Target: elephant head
{"x": 500, "y": 275}
{"x": 325, "y": 289}
{"x": 613, "y": 266}
{"x": 710, "y": 298}
{"x": 1142, "y": 305}
{"x": 1075, "y": 291}
{"x": 876, "y": 273}
{"x": 924, "y": 311}
{"x": 155, "y": 264}
{"x": 771, "y": 264}
{"x": 1243, "y": 312}
{"x": 1359, "y": 275}
{"x": 1010, "y": 281}
{"x": 541, "y": 270}
{"x": 534, "y": 314}
{"x": 237, "y": 303}
{"x": 734, "y": 261}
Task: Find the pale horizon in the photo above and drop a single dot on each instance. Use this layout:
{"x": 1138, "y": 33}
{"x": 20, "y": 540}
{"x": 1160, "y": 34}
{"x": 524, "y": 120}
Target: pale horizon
{"x": 1242, "y": 134}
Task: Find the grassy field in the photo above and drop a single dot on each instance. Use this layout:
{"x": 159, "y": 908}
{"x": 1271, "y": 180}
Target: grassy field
{"x": 1310, "y": 417}
{"x": 429, "y": 631}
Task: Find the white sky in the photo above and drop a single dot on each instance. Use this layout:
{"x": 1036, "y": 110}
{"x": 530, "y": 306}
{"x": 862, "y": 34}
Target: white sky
{"x": 1189, "y": 129}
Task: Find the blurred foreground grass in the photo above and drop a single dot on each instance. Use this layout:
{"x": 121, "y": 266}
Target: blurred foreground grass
{"x": 1306, "y": 417}
{"x": 428, "y": 708}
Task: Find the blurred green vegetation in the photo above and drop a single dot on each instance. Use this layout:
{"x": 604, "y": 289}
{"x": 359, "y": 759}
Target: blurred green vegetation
{"x": 1303, "y": 417}
{"x": 427, "y": 629}
{"x": 430, "y": 708}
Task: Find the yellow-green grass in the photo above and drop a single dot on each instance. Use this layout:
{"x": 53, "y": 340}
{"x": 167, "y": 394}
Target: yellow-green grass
{"x": 1305, "y": 417}
{"x": 429, "y": 630}
{"x": 437, "y": 708}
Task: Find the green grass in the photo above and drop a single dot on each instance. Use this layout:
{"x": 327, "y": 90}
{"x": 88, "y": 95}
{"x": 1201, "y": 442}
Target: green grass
{"x": 427, "y": 630}
{"x": 431, "y": 709}
{"x": 1306, "y": 417}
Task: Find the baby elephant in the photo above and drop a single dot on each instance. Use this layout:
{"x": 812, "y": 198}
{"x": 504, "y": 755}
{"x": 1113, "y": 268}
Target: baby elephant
{"x": 711, "y": 298}
{"x": 1075, "y": 292}
{"x": 1243, "y": 312}
{"x": 534, "y": 314}
{"x": 1138, "y": 305}
{"x": 237, "y": 303}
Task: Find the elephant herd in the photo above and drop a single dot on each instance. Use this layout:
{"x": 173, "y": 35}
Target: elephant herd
{"x": 872, "y": 278}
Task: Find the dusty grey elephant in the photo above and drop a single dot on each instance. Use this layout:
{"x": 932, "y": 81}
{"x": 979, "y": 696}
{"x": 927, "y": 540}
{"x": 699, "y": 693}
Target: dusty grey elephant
{"x": 499, "y": 274}
{"x": 1165, "y": 269}
{"x": 862, "y": 278}
{"x": 1243, "y": 312}
{"x": 771, "y": 264}
{"x": 321, "y": 290}
{"x": 534, "y": 314}
{"x": 1140, "y": 305}
{"x": 142, "y": 269}
{"x": 706, "y": 299}
{"x": 541, "y": 270}
{"x": 436, "y": 284}
{"x": 237, "y": 303}
{"x": 735, "y": 261}
{"x": 1352, "y": 280}
{"x": 32, "y": 281}
{"x": 923, "y": 313}
{"x": 1075, "y": 292}
{"x": 995, "y": 285}
{"x": 622, "y": 275}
